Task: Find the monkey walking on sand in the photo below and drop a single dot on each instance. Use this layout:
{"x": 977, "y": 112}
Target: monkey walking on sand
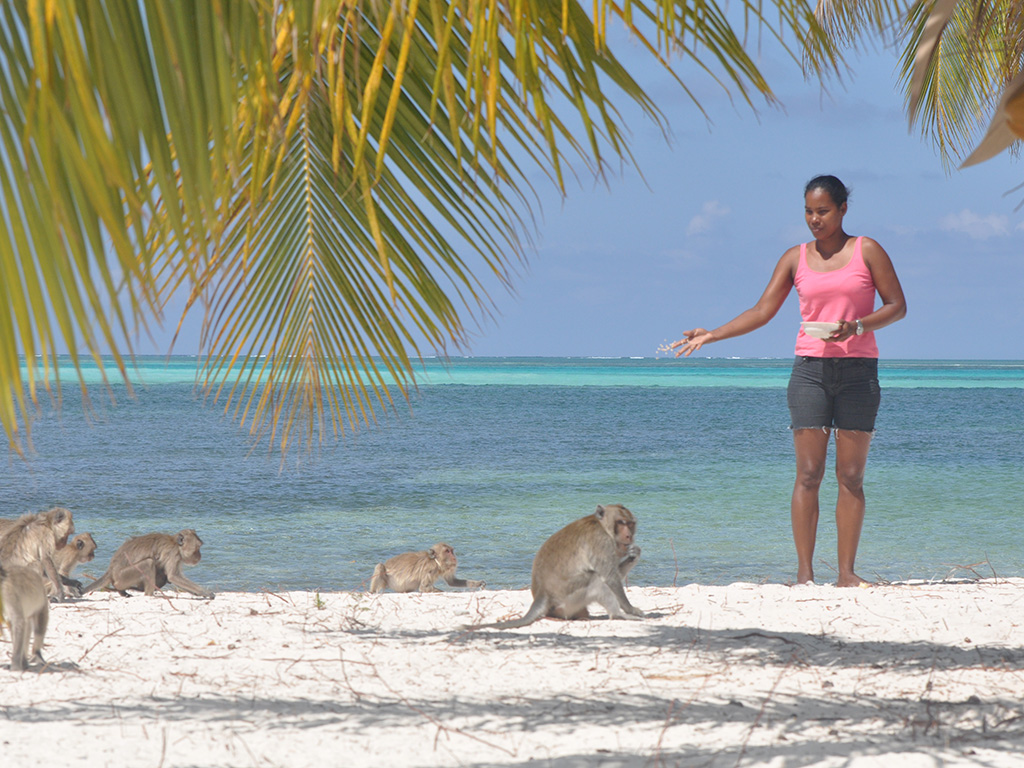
{"x": 151, "y": 561}
{"x": 419, "y": 571}
{"x": 583, "y": 563}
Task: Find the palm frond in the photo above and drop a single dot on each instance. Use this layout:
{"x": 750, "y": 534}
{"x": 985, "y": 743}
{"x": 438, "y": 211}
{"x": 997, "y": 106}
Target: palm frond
{"x": 852, "y": 22}
{"x": 958, "y": 58}
{"x": 329, "y": 180}
{"x": 970, "y": 53}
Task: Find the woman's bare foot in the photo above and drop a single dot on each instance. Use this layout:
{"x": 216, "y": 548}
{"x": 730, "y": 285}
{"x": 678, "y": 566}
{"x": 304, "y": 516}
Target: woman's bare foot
{"x": 805, "y": 575}
{"x": 851, "y": 580}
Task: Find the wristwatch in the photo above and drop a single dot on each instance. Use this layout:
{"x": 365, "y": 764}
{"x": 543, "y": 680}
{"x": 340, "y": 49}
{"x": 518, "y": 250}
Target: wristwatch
{"x": 860, "y": 327}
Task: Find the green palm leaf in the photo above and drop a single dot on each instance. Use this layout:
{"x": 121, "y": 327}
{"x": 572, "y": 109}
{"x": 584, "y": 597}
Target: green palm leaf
{"x": 959, "y": 58}
{"x": 329, "y": 181}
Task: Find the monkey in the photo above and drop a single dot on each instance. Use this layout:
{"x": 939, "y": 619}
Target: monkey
{"x": 418, "y": 571}
{"x": 585, "y": 562}
{"x": 8, "y": 523}
{"x": 80, "y": 549}
{"x": 23, "y": 596}
{"x": 149, "y": 562}
{"x": 34, "y": 539}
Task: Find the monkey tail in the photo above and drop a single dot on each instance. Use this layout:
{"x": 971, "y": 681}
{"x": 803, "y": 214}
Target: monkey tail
{"x": 380, "y": 579}
{"x": 538, "y": 610}
{"x": 103, "y": 581}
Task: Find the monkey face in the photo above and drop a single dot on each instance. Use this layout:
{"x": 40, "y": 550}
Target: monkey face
{"x": 189, "y": 544}
{"x": 86, "y": 547}
{"x": 625, "y": 530}
{"x": 445, "y": 556}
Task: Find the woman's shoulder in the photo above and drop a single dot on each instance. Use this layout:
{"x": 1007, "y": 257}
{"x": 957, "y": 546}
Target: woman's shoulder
{"x": 790, "y": 259}
{"x": 793, "y": 253}
{"x": 871, "y": 248}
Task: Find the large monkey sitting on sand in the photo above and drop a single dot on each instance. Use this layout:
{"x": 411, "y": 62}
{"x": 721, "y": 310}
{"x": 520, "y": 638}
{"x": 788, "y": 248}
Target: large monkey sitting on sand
{"x": 583, "y": 563}
{"x": 149, "y": 562}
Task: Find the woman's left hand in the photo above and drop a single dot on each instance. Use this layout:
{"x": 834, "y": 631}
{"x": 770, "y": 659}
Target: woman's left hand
{"x": 847, "y": 328}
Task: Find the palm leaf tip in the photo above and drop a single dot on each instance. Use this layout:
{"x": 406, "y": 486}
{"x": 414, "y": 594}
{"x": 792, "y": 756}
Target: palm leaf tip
{"x": 1007, "y": 124}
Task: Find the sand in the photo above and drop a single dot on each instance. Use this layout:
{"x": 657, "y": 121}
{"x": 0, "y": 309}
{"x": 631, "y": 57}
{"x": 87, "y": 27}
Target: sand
{"x": 909, "y": 675}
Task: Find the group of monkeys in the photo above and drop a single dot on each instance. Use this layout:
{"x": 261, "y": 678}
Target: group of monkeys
{"x": 36, "y": 559}
{"x": 585, "y": 562}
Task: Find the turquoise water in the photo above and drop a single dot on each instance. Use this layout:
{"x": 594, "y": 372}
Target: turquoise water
{"x": 496, "y": 454}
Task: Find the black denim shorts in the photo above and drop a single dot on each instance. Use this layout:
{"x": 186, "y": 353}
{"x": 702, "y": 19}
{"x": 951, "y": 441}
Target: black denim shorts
{"x": 834, "y": 393}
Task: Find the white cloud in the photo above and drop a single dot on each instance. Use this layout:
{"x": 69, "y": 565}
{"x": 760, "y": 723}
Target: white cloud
{"x": 975, "y": 226}
{"x": 710, "y": 212}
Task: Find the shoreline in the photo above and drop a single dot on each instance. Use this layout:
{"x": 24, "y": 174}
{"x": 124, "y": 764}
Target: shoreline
{"x": 926, "y": 673}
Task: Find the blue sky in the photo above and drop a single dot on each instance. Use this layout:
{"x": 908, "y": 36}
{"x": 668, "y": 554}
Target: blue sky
{"x": 619, "y": 268}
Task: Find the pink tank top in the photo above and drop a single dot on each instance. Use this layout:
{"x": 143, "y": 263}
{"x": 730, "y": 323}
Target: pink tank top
{"x": 842, "y": 294}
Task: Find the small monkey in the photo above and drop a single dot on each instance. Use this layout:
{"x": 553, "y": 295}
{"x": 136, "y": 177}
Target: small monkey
{"x": 149, "y": 562}
{"x": 80, "y": 549}
{"x": 583, "y": 563}
{"x": 33, "y": 541}
{"x": 418, "y": 571}
{"x": 27, "y": 610}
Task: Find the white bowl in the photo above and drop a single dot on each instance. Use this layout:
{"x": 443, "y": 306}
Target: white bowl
{"x": 819, "y": 330}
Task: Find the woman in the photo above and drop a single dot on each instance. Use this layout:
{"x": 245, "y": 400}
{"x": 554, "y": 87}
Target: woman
{"x": 834, "y": 383}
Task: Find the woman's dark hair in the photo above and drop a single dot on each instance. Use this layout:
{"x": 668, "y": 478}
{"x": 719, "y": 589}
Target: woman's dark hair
{"x": 835, "y": 188}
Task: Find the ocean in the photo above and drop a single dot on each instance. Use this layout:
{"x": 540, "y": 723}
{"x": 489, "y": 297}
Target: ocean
{"x": 494, "y": 455}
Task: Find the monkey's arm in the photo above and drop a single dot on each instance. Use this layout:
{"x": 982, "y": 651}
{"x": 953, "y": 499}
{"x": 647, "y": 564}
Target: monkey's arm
{"x": 454, "y": 581}
{"x": 619, "y": 593}
{"x": 50, "y": 571}
{"x": 74, "y": 586}
{"x": 183, "y": 582}
{"x": 632, "y": 555}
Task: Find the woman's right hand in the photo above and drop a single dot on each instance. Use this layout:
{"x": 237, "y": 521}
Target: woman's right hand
{"x": 692, "y": 341}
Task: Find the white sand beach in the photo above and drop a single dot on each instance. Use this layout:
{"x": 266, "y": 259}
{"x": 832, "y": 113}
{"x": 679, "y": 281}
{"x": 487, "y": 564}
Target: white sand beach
{"x": 911, "y": 675}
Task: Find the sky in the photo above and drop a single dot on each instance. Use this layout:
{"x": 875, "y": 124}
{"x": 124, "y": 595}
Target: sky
{"x": 621, "y": 266}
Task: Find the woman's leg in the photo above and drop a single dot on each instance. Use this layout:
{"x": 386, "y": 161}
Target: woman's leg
{"x": 851, "y": 461}
{"x": 811, "y": 446}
